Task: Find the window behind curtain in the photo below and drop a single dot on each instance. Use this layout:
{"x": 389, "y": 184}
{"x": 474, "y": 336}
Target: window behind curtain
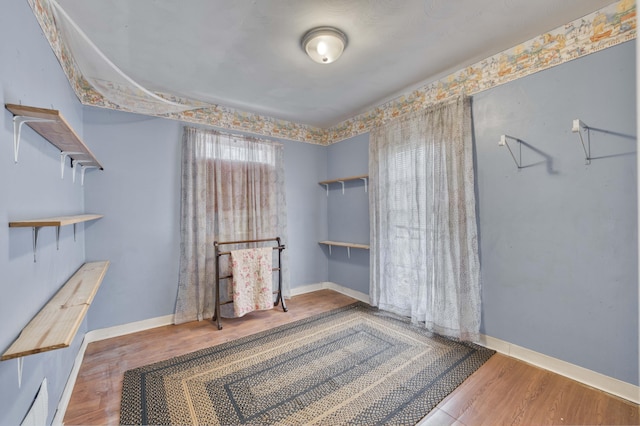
{"x": 232, "y": 189}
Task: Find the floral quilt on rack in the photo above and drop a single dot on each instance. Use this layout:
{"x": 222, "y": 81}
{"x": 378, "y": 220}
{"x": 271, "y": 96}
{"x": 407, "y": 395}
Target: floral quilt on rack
{"x": 252, "y": 280}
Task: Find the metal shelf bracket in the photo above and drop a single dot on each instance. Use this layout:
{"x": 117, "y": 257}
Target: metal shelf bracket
{"x": 34, "y": 235}
{"x": 503, "y": 142}
{"x": 18, "y": 121}
{"x": 365, "y": 183}
{"x": 63, "y": 157}
{"x": 84, "y": 169}
{"x": 577, "y": 127}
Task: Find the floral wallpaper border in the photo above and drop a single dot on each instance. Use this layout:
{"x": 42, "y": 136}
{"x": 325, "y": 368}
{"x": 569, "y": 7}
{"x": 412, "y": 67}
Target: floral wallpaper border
{"x": 609, "y": 26}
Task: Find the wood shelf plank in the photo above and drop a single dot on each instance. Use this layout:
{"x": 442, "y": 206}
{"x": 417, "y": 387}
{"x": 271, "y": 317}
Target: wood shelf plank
{"x": 57, "y": 131}
{"x": 345, "y": 179}
{"x": 57, "y": 323}
{"x": 345, "y": 244}
{"x": 54, "y": 221}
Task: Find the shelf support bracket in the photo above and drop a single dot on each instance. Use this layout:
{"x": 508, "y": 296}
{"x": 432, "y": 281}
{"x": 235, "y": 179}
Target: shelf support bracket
{"x": 329, "y": 249}
{"x": 74, "y": 232}
{"x": 342, "y": 182}
{"x": 365, "y": 183}
{"x": 57, "y": 238}
{"x": 577, "y": 127}
{"x": 84, "y": 168}
{"x": 326, "y": 185}
{"x": 503, "y": 142}
{"x": 18, "y": 121}
{"x": 34, "y": 234}
{"x": 20, "y": 365}
{"x": 63, "y": 158}
{"x": 349, "y": 252}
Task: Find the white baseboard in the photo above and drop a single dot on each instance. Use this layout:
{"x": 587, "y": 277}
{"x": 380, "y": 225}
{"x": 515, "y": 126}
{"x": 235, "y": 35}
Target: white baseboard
{"x": 591, "y": 378}
{"x": 68, "y": 387}
{"x": 580, "y": 374}
{"x": 132, "y": 327}
{"x": 327, "y": 285}
{"x": 583, "y": 375}
{"x": 94, "y": 336}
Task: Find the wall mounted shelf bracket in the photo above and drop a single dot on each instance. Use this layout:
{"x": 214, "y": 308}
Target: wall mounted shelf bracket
{"x": 18, "y": 121}
{"x": 63, "y": 158}
{"x": 84, "y": 169}
{"x": 364, "y": 179}
{"x": 577, "y": 127}
{"x": 74, "y": 166}
{"x": 503, "y": 142}
{"x": 36, "y": 229}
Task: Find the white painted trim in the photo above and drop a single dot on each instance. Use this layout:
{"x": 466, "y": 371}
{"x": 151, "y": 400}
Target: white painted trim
{"x": 583, "y": 375}
{"x": 68, "y": 387}
{"x": 591, "y": 378}
{"x": 132, "y": 327}
{"x": 94, "y": 336}
{"x": 308, "y": 288}
{"x": 327, "y": 285}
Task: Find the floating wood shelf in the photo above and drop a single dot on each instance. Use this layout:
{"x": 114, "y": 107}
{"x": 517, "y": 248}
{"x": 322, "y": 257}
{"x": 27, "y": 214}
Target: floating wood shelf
{"x": 349, "y": 246}
{"x": 54, "y": 221}
{"x": 325, "y": 182}
{"x": 52, "y": 126}
{"x": 58, "y": 221}
{"x": 363, "y": 178}
{"x": 57, "y": 323}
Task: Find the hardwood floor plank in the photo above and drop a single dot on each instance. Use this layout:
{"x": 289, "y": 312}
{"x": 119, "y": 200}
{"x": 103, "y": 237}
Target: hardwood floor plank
{"x": 503, "y": 391}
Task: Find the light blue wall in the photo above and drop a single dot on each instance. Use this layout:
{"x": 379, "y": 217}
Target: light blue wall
{"x": 348, "y": 213}
{"x": 30, "y": 74}
{"x": 139, "y": 194}
{"x": 558, "y": 239}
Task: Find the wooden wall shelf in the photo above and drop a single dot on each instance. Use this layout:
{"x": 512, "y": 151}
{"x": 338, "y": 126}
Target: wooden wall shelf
{"x": 363, "y": 178}
{"x": 57, "y": 323}
{"x": 52, "y": 126}
{"x": 346, "y": 179}
{"x": 349, "y": 246}
{"x": 54, "y": 221}
{"x": 57, "y": 221}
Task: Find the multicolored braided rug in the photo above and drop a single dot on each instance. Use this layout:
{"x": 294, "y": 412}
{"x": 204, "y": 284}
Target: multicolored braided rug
{"x": 353, "y": 365}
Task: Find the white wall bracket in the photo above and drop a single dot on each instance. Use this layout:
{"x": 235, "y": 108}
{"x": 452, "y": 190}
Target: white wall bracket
{"x": 75, "y": 163}
{"x": 503, "y": 142}
{"x": 84, "y": 169}
{"x": 20, "y": 365}
{"x": 18, "y": 121}
{"x": 364, "y": 179}
{"x": 63, "y": 158}
{"x": 577, "y": 127}
{"x": 326, "y": 185}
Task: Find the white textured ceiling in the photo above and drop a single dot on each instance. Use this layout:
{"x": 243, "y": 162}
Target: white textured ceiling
{"x": 246, "y": 54}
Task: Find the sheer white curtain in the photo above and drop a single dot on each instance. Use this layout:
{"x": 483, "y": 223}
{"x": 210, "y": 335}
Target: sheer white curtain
{"x": 424, "y": 246}
{"x": 232, "y": 189}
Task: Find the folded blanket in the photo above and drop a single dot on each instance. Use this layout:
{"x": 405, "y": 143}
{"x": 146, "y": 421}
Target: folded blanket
{"x": 252, "y": 280}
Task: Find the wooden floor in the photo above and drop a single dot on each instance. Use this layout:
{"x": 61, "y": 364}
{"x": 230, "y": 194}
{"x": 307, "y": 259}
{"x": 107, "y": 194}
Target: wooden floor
{"x": 502, "y": 391}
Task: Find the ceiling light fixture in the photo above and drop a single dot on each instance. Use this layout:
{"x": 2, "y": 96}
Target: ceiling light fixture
{"x": 324, "y": 44}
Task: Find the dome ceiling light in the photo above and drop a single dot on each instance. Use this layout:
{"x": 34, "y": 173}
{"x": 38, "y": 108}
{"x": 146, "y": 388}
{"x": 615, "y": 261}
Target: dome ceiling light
{"x": 324, "y": 44}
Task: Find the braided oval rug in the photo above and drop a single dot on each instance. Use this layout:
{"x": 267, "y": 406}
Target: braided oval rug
{"x": 352, "y": 365}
